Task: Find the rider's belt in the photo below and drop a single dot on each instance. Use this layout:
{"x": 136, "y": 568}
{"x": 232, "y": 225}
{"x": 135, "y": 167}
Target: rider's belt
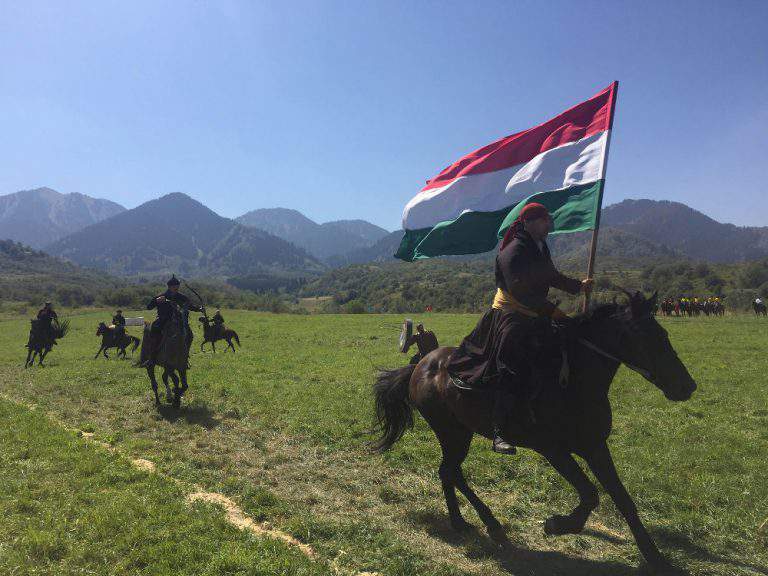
{"x": 505, "y": 301}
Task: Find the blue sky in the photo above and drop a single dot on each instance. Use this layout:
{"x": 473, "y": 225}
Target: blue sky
{"x": 344, "y": 109}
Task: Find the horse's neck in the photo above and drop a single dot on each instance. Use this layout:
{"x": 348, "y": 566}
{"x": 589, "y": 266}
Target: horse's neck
{"x": 595, "y": 371}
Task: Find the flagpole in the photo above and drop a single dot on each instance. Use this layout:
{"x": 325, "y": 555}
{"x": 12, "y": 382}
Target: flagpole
{"x": 593, "y": 246}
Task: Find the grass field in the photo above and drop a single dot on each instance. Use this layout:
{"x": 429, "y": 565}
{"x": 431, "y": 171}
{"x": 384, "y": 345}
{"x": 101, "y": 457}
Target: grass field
{"x": 282, "y": 428}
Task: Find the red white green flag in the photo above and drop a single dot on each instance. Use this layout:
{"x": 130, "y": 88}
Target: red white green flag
{"x": 468, "y": 206}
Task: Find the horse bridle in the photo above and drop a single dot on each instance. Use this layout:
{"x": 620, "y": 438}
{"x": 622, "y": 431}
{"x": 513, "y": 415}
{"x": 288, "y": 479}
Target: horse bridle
{"x": 642, "y": 371}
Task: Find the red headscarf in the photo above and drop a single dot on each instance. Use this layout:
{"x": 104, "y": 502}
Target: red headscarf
{"x": 532, "y": 211}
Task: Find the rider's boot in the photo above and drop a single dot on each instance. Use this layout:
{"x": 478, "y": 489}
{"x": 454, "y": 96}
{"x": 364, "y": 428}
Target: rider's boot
{"x": 501, "y": 407}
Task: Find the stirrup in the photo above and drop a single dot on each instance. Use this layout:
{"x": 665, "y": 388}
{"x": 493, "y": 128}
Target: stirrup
{"x": 501, "y": 446}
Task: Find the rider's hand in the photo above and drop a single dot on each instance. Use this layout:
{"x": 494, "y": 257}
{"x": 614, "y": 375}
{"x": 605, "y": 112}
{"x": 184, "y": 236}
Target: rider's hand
{"x": 587, "y": 285}
{"x": 160, "y": 299}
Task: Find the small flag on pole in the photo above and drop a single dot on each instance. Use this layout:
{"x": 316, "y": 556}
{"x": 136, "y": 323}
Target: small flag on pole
{"x": 468, "y": 206}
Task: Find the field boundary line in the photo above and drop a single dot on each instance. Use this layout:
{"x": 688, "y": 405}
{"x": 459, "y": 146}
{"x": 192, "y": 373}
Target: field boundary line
{"x": 233, "y": 514}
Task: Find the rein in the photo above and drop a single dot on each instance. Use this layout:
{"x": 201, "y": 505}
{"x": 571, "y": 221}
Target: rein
{"x": 642, "y": 371}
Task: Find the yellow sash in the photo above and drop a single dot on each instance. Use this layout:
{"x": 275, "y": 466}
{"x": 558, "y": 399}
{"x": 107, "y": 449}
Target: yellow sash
{"x": 508, "y": 303}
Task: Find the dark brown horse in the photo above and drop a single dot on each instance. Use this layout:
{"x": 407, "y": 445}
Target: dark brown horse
{"x": 110, "y": 339}
{"x": 173, "y": 356}
{"x": 212, "y": 334}
{"x": 760, "y": 308}
{"x": 42, "y": 341}
{"x": 570, "y": 419}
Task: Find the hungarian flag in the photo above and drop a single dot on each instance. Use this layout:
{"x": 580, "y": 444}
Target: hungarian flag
{"x": 561, "y": 164}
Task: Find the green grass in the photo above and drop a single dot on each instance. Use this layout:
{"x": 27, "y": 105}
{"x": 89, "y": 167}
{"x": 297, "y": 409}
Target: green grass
{"x": 69, "y": 508}
{"x": 283, "y": 428}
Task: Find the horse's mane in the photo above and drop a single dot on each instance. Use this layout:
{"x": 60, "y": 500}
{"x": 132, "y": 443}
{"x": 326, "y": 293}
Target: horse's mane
{"x": 597, "y": 314}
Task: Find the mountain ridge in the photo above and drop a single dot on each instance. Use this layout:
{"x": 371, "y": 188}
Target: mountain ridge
{"x": 40, "y": 216}
{"x": 321, "y": 240}
{"x": 175, "y": 233}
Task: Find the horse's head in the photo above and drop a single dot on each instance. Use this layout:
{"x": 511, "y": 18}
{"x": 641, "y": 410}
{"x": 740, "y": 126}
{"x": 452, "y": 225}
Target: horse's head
{"x": 645, "y": 345}
{"x": 102, "y": 329}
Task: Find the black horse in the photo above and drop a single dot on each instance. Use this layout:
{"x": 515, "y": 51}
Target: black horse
{"x": 110, "y": 339}
{"x": 570, "y": 419}
{"x": 173, "y": 355}
{"x": 41, "y": 340}
{"x": 760, "y": 308}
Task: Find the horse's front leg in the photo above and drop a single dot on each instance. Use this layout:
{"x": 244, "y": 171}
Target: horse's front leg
{"x": 168, "y": 393}
{"x": 99, "y": 352}
{"x": 601, "y": 463}
{"x": 569, "y": 469}
{"x": 151, "y": 374}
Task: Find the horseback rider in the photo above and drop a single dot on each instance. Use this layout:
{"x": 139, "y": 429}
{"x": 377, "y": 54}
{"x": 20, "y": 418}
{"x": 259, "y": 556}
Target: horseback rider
{"x": 425, "y": 341}
{"x": 45, "y": 317}
{"x": 218, "y": 324}
{"x": 118, "y": 321}
{"x": 498, "y": 352}
{"x": 165, "y": 313}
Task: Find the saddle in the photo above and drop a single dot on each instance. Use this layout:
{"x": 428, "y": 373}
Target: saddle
{"x": 548, "y": 362}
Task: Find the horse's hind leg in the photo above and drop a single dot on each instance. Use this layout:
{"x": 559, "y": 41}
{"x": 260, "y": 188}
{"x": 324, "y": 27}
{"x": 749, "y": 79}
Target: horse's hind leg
{"x": 454, "y": 442}
{"x": 569, "y": 469}
{"x": 230, "y": 345}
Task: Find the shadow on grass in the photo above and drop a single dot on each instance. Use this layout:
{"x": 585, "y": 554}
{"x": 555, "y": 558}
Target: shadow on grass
{"x": 672, "y": 539}
{"x": 478, "y": 545}
{"x": 196, "y": 413}
{"x": 512, "y": 558}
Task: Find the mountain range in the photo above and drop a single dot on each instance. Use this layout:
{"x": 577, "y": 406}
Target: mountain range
{"x": 320, "y": 240}
{"x": 41, "y": 216}
{"x": 175, "y": 233}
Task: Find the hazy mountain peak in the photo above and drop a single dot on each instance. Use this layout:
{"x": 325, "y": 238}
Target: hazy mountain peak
{"x": 320, "y": 240}
{"x": 42, "y": 215}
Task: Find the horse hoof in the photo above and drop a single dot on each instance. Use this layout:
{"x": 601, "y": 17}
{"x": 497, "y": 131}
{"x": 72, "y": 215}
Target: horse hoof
{"x": 660, "y": 566}
{"x": 558, "y": 525}
{"x": 497, "y": 534}
{"x": 461, "y": 525}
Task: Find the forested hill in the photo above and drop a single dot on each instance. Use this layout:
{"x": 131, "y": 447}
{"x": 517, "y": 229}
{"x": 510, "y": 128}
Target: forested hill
{"x": 687, "y": 231}
{"x": 178, "y": 234}
{"x": 41, "y": 216}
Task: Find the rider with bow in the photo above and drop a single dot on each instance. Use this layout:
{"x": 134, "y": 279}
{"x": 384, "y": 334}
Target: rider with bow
{"x": 164, "y": 305}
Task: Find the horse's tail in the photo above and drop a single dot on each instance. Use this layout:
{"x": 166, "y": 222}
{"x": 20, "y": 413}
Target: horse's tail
{"x": 393, "y": 413}
{"x": 136, "y": 343}
{"x": 236, "y": 337}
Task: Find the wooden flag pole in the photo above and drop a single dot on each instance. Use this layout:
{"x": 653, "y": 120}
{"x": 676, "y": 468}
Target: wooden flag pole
{"x": 604, "y": 169}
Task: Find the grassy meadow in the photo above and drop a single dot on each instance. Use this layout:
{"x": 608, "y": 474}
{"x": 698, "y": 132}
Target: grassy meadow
{"x": 283, "y": 426}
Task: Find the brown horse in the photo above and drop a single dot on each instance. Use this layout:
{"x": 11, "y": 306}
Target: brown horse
{"x": 109, "y": 339}
{"x": 569, "y": 419}
{"x": 212, "y": 334}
